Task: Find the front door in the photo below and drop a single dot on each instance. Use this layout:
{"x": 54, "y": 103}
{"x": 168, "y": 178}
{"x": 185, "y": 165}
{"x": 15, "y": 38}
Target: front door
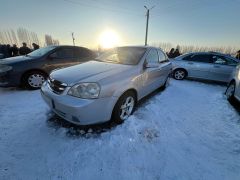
{"x": 62, "y": 57}
{"x": 198, "y": 65}
{"x": 151, "y": 75}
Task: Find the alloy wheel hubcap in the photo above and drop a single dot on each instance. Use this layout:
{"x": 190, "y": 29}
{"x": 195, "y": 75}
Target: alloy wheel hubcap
{"x": 179, "y": 74}
{"x": 126, "y": 108}
{"x": 230, "y": 91}
{"x": 36, "y": 80}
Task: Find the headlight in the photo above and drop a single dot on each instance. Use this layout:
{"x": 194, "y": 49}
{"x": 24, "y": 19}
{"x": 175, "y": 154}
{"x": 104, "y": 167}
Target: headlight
{"x": 85, "y": 90}
{"x": 5, "y": 68}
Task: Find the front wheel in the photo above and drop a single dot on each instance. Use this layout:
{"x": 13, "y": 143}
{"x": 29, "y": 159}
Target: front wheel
{"x": 124, "y": 107}
{"x": 230, "y": 91}
{"x": 179, "y": 74}
{"x": 34, "y": 80}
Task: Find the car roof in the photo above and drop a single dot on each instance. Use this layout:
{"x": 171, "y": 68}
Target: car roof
{"x": 57, "y": 46}
{"x": 142, "y": 46}
{"x": 209, "y": 52}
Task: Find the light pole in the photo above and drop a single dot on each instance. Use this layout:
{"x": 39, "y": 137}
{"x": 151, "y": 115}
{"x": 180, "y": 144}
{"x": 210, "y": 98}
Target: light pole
{"x": 146, "y": 35}
{"x": 73, "y": 38}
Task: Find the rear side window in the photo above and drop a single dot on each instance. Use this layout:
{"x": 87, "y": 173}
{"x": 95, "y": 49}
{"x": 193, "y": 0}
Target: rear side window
{"x": 223, "y": 60}
{"x": 204, "y": 58}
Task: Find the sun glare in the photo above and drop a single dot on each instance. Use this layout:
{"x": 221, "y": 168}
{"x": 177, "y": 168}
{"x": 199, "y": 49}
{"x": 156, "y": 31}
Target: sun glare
{"x": 108, "y": 39}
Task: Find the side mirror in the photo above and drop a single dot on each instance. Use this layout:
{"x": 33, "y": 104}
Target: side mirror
{"x": 151, "y": 65}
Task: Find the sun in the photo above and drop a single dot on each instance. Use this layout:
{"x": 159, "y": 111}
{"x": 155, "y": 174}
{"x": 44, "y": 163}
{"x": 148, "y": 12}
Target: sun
{"x": 108, "y": 39}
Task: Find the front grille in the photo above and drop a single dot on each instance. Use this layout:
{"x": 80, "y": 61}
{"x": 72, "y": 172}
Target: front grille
{"x": 56, "y": 86}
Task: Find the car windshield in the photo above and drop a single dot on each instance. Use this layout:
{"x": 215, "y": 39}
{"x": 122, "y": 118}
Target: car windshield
{"x": 42, "y": 51}
{"x": 123, "y": 55}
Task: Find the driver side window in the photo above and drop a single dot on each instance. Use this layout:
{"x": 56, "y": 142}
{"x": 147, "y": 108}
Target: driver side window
{"x": 63, "y": 54}
{"x": 152, "y": 56}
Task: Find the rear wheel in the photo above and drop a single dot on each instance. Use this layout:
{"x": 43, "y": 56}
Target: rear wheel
{"x": 179, "y": 74}
{"x": 230, "y": 91}
{"x": 124, "y": 107}
{"x": 34, "y": 79}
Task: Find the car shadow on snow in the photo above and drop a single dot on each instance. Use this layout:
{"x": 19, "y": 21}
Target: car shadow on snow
{"x": 207, "y": 81}
{"x": 236, "y": 104}
{"x": 73, "y": 130}
{"x": 87, "y": 131}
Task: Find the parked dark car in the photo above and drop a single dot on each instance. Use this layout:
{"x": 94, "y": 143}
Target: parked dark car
{"x": 33, "y": 69}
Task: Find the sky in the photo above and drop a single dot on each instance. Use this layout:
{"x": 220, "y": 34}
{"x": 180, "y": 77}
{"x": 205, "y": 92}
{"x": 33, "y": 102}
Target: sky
{"x": 184, "y": 22}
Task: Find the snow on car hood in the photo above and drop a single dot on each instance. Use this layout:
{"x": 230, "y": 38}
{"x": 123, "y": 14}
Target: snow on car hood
{"x": 91, "y": 71}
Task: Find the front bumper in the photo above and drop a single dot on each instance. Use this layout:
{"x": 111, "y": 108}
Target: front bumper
{"x": 76, "y": 110}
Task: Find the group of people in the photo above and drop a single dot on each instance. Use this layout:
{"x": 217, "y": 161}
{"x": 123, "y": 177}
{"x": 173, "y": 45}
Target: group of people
{"x": 238, "y": 55}
{"x": 11, "y": 51}
{"x": 173, "y": 53}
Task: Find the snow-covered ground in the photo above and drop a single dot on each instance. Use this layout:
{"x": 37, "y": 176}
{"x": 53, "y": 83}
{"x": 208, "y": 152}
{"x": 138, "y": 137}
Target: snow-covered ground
{"x": 188, "y": 131}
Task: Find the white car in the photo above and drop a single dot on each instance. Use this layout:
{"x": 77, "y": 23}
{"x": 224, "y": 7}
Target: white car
{"x": 233, "y": 89}
{"x": 107, "y": 87}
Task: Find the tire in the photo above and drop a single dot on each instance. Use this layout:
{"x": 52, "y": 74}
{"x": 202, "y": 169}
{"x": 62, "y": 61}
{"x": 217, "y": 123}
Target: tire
{"x": 179, "y": 74}
{"x": 34, "y": 79}
{"x": 230, "y": 91}
{"x": 121, "y": 113}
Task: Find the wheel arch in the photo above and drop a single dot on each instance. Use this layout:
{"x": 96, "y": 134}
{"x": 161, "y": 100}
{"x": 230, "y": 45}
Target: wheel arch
{"x": 124, "y": 92}
{"x": 179, "y": 68}
{"x": 32, "y": 70}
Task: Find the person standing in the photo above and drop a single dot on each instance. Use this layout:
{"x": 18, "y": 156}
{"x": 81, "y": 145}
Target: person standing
{"x": 24, "y": 49}
{"x": 35, "y": 46}
{"x": 176, "y": 53}
{"x": 171, "y": 52}
{"x": 14, "y": 50}
{"x": 238, "y": 55}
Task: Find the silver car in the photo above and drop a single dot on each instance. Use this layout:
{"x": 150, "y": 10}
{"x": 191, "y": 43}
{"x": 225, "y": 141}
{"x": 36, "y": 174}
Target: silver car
{"x": 233, "y": 89}
{"x": 108, "y": 87}
{"x": 204, "y": 65}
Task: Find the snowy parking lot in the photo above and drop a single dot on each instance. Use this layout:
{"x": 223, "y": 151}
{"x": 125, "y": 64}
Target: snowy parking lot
{"x": 188, "y": 131}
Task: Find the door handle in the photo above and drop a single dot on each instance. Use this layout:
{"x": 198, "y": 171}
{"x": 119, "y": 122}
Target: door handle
{"x": 190, "y": 62}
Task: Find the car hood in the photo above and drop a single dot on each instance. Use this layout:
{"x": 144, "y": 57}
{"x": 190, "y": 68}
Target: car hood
{"x": 13, "y": 60}
{"x": 92, "y": 71}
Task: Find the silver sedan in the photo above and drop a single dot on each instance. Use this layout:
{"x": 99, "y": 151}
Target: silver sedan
{"x": 108, "y": 87}
{"x": 233, "y": 89}
{"x": 204, "y": 65}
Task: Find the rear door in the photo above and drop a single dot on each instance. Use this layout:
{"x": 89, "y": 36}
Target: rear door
{"x": 222, "y": 68}
{"x": 198, "y": 65}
